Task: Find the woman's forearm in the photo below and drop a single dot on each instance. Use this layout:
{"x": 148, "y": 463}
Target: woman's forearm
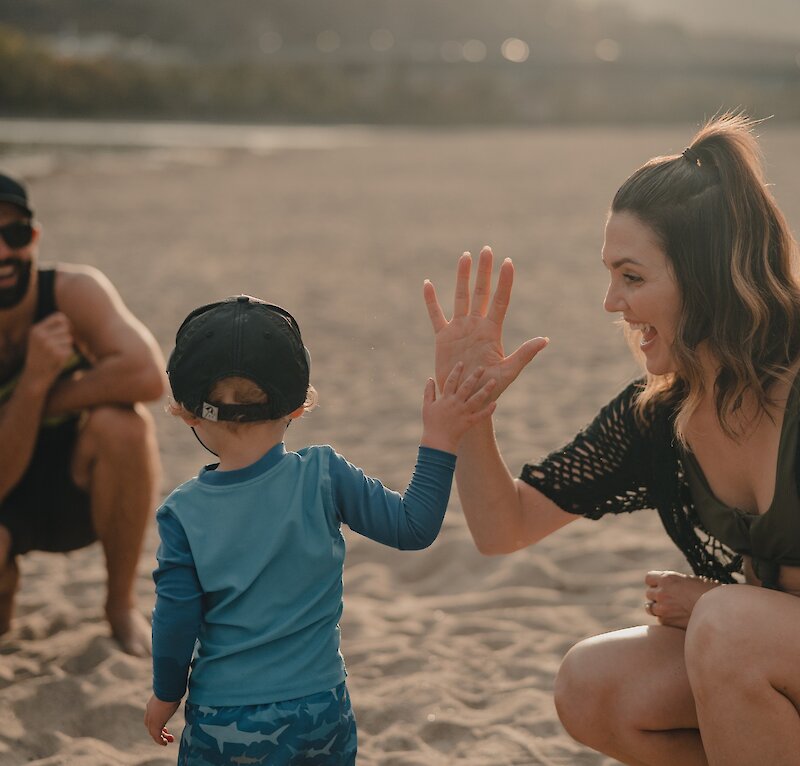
{"x": 504, "y": 514}
{"x": 487, "y": 491}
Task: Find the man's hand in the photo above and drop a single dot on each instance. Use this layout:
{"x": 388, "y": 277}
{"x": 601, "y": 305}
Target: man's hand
{"x": 126, "y": 363}
{"x": 474, "y": 334}
{"x": 50, "y": 344}
{"x": 156, "y": 715}
{"x": 446, "y": 418}
{"x": 671, "y": 596}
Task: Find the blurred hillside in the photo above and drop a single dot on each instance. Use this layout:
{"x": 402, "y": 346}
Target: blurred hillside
{"x": 384, "y": 61}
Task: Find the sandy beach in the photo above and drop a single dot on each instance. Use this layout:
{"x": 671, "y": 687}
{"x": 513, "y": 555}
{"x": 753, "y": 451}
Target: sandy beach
{"x": 451, "y": 655}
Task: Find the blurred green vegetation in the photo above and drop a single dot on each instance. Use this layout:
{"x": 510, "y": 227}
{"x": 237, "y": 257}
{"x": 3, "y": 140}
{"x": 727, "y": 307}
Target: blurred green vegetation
{"x": 682, "y": 79}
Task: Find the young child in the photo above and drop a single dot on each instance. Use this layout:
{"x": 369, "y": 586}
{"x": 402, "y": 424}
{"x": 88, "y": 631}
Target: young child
{"x": 249, "y": 577}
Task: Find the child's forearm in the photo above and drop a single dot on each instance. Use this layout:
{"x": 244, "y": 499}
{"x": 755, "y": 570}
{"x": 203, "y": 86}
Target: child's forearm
{"x": 178, "y": 613}
{"x": 169, "y": 678}
{"x": 425, "y": 499}
{"x": 408, "y": 522}
{"x": 175, "y": 628}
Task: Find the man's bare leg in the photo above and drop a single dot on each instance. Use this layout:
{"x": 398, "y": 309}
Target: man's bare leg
{"x": 116, "y": 460}
{"x": 9, "y": 580}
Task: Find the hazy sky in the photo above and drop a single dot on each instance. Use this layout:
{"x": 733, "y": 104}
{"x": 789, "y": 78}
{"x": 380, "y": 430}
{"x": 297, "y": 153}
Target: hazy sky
{"x": 773, "y": 18}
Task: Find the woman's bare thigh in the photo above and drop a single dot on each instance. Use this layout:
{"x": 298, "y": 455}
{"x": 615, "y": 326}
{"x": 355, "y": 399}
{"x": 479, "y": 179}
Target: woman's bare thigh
{"x": 743, "y": 658}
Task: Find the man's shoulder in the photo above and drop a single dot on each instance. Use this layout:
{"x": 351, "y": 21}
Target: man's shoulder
{"x": 72, "y": 278}
{"x": 83, "y": 290}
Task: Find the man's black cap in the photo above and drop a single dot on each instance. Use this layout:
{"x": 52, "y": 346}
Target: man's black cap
{"x": 14, "y": 192}
{"x": 240, "y": 337}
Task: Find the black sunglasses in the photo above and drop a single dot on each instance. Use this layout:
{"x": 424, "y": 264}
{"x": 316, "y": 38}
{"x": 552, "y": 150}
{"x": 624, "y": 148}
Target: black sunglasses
{"x": 17, "y": 234}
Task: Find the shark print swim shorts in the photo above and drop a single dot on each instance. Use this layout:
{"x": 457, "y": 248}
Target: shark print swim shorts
{"x": 317, "y": 730}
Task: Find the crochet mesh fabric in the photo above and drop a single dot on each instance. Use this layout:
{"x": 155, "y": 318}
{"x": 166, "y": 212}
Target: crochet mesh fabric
{"x": 618, "y": 464}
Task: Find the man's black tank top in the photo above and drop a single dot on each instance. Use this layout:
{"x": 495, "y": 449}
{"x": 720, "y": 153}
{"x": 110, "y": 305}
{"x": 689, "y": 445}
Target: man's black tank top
{"x": 46, "y": 299}
{"x": 45, "y": 305}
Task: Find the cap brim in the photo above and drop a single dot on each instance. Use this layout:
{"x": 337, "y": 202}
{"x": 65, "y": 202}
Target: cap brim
{"x": 20, "y": 202}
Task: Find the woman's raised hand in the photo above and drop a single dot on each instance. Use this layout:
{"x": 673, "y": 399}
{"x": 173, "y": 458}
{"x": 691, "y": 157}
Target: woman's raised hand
{"x": 474, "y": 334}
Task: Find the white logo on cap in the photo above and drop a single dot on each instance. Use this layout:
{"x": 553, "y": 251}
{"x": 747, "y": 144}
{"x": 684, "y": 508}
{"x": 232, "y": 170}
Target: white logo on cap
{"x": 210, "y": 412}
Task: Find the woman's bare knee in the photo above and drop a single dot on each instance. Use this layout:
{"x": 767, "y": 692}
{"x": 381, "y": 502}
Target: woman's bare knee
{"x": 612, "y": 687}
{"x": 581, "y": 688}
{"x": 717, "y": 647}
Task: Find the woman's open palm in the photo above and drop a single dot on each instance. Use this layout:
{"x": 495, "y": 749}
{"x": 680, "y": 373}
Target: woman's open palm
{"x": 474, "y": 334}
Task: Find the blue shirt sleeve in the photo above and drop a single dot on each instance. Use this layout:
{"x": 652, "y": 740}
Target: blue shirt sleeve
{"x": 407, "y": 522}
{"x": 178, "y": 612}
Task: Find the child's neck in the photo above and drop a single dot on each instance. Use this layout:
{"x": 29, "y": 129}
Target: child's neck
{"x": 239, "y": 450}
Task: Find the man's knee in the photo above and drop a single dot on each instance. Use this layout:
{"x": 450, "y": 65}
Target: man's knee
{"x": 116, "y": 441}
{"x": 112, "y": 430}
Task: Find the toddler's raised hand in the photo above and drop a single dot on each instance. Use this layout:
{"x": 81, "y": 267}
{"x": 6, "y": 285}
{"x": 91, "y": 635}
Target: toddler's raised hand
{"x": 462, "y": 402}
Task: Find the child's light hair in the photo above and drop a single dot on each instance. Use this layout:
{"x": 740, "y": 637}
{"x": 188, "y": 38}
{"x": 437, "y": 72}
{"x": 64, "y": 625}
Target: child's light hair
{"x": 236, "y": 390}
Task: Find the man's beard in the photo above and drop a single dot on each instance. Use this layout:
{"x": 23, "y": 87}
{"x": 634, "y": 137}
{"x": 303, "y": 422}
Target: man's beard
{"x": 11, "y": 296}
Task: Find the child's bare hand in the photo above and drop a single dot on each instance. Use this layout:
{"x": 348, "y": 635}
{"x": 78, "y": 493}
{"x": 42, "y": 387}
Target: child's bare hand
{"x": 156, "y": 715}
{"x": 460, "y": 405}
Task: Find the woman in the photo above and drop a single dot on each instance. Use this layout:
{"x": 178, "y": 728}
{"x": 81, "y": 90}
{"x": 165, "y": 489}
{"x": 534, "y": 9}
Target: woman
{"x": 701, "y": 265}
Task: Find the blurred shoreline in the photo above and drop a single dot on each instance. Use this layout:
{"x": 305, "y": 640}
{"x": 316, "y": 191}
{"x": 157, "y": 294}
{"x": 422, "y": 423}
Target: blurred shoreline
{"x": 148, "y": 134}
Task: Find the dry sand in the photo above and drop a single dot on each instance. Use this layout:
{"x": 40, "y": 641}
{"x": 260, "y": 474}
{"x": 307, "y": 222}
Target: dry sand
{"x": 451, "y": 655}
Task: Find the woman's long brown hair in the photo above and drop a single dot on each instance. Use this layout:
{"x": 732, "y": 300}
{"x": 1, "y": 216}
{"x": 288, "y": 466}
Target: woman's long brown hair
{"x": 734, "y": 259}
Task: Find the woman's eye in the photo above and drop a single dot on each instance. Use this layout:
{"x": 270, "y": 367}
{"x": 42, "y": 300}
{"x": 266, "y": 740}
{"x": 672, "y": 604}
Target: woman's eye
{"x": 631, "y": 278}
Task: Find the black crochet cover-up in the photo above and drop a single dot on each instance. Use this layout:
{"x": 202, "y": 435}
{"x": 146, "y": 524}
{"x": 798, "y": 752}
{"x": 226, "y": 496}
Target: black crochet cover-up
{"x": 618, "y": 464}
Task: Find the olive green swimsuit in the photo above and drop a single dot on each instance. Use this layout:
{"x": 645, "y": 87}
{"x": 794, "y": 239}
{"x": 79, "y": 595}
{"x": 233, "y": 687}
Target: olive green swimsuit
{"x": 772, "y": 538}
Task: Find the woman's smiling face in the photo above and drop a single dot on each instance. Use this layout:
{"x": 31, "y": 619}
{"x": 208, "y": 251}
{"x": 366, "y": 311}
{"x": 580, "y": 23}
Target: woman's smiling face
{"x": 642, "y": 288}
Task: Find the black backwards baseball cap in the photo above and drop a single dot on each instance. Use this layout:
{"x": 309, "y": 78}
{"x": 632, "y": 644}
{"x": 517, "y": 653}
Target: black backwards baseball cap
{"x": 14, "y": 192}
{"x": 241, "y": 337}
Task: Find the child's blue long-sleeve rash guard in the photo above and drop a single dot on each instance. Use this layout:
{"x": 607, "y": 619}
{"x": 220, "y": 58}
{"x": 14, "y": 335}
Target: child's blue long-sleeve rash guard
{"x": 249, "y": 576}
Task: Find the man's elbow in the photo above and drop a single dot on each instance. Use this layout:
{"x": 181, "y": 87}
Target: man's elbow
{"x": 151, "y": 384}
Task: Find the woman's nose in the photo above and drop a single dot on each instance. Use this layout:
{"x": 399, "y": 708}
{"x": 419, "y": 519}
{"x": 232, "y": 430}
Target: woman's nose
{"x": 613, "y": 301}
